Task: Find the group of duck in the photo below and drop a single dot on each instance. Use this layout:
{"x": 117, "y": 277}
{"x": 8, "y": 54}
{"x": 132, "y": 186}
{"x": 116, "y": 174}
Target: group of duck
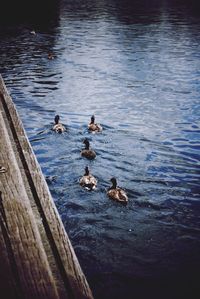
{"x": 88, "y": 181}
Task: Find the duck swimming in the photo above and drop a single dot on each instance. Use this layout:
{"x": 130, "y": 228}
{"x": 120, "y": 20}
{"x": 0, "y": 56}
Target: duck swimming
{"x": 94, "y": 127}
{"x": 58, "y": 127}
{"x": 87, "y": 152}
{"x": 50, "y": 56}
{"x": 88, "y": 181}
{"x": 117, "y": 193}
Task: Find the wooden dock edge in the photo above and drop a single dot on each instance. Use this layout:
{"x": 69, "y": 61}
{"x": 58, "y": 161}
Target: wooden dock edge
{"x": 36, "y": 256}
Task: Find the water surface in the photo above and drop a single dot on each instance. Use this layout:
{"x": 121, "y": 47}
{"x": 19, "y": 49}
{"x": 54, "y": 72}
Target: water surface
{"x": 135, "y": 66}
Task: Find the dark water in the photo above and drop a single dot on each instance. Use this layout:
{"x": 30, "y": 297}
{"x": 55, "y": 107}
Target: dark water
{"x": 136, "y": 66}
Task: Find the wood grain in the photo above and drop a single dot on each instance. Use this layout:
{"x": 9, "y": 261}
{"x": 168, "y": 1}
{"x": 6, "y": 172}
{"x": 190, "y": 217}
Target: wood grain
{"x": 37, "y": 258}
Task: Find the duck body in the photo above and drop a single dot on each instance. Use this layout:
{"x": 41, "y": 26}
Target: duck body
{"x": 87, "y": 152}
{"x": 58, "y": 127}
{"x": 88, "y": 181}
{"x": 50, "y": 56}
{"x": 117, "y": 193}
{"x": 94, "y": 127}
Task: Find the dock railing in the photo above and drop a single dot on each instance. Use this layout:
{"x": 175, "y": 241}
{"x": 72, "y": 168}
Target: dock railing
{"x": 37, "y": 259}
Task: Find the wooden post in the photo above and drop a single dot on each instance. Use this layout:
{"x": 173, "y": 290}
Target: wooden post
{"x": 36, "y": 257}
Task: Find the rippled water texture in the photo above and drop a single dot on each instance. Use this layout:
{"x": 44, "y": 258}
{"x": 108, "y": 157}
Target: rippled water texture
{"x": 136, "y": 66}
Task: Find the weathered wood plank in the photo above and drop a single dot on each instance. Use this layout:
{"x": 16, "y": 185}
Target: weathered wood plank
{"x": 37, "y": 254}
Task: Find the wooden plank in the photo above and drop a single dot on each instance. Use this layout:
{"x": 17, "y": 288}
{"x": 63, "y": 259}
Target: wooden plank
{"x": 36, "y": 253}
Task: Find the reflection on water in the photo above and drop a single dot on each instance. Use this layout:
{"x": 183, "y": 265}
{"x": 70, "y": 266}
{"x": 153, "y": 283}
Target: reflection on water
{"x": 136, "y": 67}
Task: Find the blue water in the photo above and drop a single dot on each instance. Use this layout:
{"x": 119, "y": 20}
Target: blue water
{"x": 135, "y": 66}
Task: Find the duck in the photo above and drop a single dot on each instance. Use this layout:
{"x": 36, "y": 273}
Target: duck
{"x": 88, "y": 181}
{"x": 50, "y": 56}
{"x": 87, "y": 152}
{"x": 58, "y": 127}
{"x": 116, "y": 193}
{"x": 94, "y": 127}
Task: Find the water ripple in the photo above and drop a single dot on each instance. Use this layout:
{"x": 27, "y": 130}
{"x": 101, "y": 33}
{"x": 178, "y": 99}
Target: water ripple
{"x": 136, "y": 68}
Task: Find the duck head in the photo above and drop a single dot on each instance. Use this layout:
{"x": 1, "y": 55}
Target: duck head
{"x": 114, "y": 183}
{"x": 86, "y": 142}
{"x": 87, "y": 170}
{"x": 56, "y": 119}
{"x": 92, "y": 119}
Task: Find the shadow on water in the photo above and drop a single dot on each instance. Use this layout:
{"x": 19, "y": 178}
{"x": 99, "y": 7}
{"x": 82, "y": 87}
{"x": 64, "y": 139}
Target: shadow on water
{"x": 36, "y": 14}
{"x": 162, "y": 287}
